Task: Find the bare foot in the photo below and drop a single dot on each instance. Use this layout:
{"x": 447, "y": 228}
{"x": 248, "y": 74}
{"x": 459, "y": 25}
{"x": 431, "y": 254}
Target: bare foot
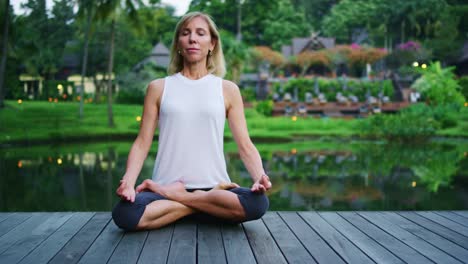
{"x": 225, "y": 186}
{"x": 148, "y": 185}
{"x": 171, "y": 191}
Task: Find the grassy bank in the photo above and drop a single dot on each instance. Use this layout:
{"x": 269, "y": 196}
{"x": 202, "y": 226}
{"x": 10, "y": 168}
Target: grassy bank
{"x": 44, "y": 121}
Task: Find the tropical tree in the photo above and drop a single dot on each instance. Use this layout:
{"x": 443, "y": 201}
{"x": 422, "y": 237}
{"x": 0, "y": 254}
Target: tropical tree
{"x": 283, "y": 24}
{"x": 5, "y": 11}
{"x": 87, "y": 9}
{"x": 110, "y": 10}
{"x": 42, "y": 38}
{"x": 236, "y": 53}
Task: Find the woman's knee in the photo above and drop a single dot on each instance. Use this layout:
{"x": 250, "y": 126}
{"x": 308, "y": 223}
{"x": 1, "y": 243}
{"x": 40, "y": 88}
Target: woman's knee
{"x": 255, "y": 204}
{"x": 261, "y": 206}
{"x": 126, "y": 215}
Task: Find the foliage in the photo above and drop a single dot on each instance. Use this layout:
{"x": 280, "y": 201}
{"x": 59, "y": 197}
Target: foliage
{"x": 283, "y": 24}
{"x": 248, "y": 94}
{"x": 439, "y": 86}
{"x": 406, "y": 126}
{"x": 133, "y": 84}
{"x": 264, "y": 107}
{"x": 463, "y": 83}
{"x": 407, "y": 53}
{"x": 308, "y": 58}
{"x": 235, "y": 54}
{"x": 41, "y": 39}
{"x": 265, "y": 53}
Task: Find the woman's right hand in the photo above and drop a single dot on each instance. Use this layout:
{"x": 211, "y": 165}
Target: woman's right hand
{"x": 125, "y": 191}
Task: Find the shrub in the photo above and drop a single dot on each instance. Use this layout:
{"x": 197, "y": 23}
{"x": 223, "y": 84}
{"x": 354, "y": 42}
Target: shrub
{"x": 265, "y": 107}
{"x": 413, "y": 124}
{"x": 463, "y": 82}
{"x": 439, "y": 86}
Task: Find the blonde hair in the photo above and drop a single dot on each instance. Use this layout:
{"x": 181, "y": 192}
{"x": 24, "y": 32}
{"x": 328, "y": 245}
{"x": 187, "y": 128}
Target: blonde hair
{"x": 215, "y": 63}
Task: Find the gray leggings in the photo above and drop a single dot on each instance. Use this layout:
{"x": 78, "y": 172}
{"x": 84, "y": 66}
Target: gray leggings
{"x": 126, "y": 214}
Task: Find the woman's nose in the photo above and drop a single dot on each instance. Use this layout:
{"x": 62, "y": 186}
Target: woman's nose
{"x": 192, "y": 38}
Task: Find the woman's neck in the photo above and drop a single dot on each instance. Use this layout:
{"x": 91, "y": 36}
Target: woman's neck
{"x": 194, "y": 71}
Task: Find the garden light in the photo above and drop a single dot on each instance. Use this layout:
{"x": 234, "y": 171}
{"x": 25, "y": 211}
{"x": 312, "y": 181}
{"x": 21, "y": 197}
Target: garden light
{"x": 59, "y": 161}
{"x": 413, "y": 184}
{"x": 415, "y": 64}
{"x": 138, "y": 118}
{"x": 424, "y": 66}
{"x": 294, "y": 118}
{"x": 59, "y": 87}
{"x": 20, "y": 101}
{"x": 20, "y": 164}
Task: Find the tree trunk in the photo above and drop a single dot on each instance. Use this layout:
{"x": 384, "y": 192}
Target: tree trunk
{"x": 110, "y": 115}
{"x": 84, "y": 63}
{"x": 97, "y": 91}
{"x": 6, "y": 19}
{"x": 239, "y": 17}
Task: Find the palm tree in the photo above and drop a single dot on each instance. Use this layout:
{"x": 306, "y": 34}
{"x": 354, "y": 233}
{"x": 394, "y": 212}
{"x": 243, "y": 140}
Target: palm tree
{"x": 112, "y": 9}
{"x": 6, "y": 19}
{"x": 86, "y": 10}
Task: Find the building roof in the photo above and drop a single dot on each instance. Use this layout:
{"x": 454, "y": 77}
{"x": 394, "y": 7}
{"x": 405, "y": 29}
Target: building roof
{"x": 311, "y": 43}
{"x": 160, "y": 49}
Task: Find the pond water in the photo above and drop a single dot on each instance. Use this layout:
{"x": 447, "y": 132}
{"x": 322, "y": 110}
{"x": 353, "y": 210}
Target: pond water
{"x": 313, "y": 175}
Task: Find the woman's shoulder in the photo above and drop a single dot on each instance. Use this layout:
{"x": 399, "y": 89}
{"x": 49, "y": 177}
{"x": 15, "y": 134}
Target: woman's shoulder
{"x": 229, "y": 85}
{"x": 156, "y": 84}
{"x": 155, "y": 88}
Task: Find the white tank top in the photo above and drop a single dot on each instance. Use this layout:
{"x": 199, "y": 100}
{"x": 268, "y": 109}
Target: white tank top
{"x": 191, "y": 130}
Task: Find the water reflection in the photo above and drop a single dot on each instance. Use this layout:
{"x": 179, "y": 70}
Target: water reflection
{"x": 358, "y": 176}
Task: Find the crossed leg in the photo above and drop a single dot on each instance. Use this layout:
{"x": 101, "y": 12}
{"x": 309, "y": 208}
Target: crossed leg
{"x": 217, "y": 202}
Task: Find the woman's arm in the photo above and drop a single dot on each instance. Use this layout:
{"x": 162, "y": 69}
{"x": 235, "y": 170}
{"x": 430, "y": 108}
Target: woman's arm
{"x": 247, "y": 150}
{"x": 142, "y": 144}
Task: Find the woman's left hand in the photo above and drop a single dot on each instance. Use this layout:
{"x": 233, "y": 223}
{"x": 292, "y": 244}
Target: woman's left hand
{"x": 262, "y": 185}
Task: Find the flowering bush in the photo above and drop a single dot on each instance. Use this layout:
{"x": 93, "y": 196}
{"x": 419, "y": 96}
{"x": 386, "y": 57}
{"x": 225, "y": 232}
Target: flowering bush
{"x": 265, "y": 53}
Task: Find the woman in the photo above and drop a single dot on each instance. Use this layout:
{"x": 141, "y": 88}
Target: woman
{"x": 191, "y": 106}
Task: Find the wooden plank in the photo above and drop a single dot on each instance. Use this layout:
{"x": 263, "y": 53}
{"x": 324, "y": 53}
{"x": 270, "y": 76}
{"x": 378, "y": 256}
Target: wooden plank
{"x": 129, "y": 248}
{"x": 77, "y": 246}
{"x": 346, "y": 249}
{"x": 445, "y": 222}
{"x": 104, "y": 245}
{"x": 436, "y": 228}
{"x": 394, "y": 245}
{"x": 32, "y": 235}
{"x": 47, "y": 249}
{"x": 184, "y": 243}
{"x": 262, "y": 243}
{"x": 4, "y": 216}
{"x": 156, "y": 248}
{"x": 236, "y": 245}
{"x": 436, "y": 240}
{"x": 317, "y": 247}
{"x": 461, "y": 213}
{"x": 290, "y": 246}
{"x": 12, "y": 221}
{"x": 370, "y": 247}
{"x": 454, "y": 217}
{"x": 210, "y": 244}
{"x": 409, "y": 239}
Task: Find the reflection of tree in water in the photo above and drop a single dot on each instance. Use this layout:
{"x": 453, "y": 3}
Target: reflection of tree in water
{"x": 372, "y": 176}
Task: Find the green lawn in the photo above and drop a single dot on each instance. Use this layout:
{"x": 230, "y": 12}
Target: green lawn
{"x": 45, "y": 121}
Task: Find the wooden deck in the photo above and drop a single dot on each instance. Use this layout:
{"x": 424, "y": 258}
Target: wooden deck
{"x": 279, "y": 237}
